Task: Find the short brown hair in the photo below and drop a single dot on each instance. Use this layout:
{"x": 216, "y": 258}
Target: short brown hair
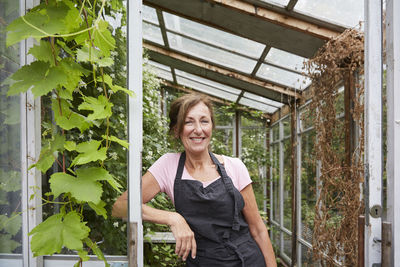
{"x": 180, "y": 108}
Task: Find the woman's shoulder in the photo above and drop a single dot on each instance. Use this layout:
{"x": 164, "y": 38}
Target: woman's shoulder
{"x": 227, "y": 160}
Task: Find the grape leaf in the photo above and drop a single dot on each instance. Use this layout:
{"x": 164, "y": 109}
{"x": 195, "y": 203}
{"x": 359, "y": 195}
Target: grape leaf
{"x": 11, "y": 225}
{"x": 38, "y": 76}
{"x": 117, "y": 140}
{"x": 43, "y": 52}
{"x": 57, "y": 232}
{"x": 100, "y": 106}
{"x": 90, "y": 54}
{"x": 89, "y": 152}
{"x": 84, "y": 187}
{"x": 99, "y": 208}
{"x": 56, "y": 17}
{"x": 103, "y": 39}
{"x": 115, "y": 88}
{"x": 7, "y": 244}
{"x": 66, "y": 118}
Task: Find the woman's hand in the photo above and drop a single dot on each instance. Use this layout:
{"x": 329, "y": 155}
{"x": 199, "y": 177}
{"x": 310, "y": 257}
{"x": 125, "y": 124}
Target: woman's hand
{"x": 184, "y": 236}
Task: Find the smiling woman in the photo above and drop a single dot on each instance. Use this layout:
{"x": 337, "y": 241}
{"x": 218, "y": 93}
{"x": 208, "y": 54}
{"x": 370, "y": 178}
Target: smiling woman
{"x": 216, "y": 221}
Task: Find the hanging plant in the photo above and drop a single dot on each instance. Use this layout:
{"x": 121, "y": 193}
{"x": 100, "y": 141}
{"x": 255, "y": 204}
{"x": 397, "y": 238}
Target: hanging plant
{"x": 338, "y": 203}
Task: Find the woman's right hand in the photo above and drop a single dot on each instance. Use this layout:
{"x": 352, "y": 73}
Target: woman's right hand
{"x": 184, "y": 236}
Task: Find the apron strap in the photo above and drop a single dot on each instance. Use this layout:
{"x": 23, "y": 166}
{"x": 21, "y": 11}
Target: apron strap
{"x": 229, "y": 187}
{"x": 181, "y": 165}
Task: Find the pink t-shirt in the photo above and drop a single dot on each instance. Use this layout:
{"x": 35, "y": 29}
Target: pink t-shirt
{"x": 164, "y": 170}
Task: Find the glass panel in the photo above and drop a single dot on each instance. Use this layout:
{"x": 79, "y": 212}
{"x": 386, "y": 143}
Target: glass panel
{"x": 287, "y": 189}
{"x": 285, "y": 59}
{"x": 10, "y": 139}
{"x": 222, "y": 142}
{"x": 203, "y": 85}
{"x": 152, "y": 33}
{"x": 162, "y": 71}
{"x": 262, "y": 100}
{"x": 345, "y": 12}
{"x": 307, "y": 116}
{"x": 254, "y": 155}
{"x": 307, "y": 184}
{"x": 286, "y": 127}
{"x": 283, "y": 77}
{"x": 257, "y": 105}
{"x": 275, "y": 183}
{"x": 212, "y": 35}
{"x": 275, "y": 132}
{"x": 306, "y": 257}
{"x": 287, "y": 244}
{"x": 209, "y": 53}
{"x": 276, "y": 239}
{"x": 149, "y": 14}
{"x": 281, "y": 2}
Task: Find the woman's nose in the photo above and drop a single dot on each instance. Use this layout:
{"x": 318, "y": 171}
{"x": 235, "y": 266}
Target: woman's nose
{"x": 197, "y": 127}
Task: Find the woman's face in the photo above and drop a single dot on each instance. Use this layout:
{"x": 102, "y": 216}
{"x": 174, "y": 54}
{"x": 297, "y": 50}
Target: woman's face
{"x": 197, "y": 129}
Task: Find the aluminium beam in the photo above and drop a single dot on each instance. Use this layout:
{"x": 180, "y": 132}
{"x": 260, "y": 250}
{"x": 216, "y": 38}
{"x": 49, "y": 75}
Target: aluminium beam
{"x": 220, "y": 74}
{"x": 373, "y": 132}
{"x": 253, "y": 22}
{"x": 393, "y": 122}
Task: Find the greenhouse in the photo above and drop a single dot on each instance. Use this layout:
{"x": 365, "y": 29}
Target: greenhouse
{"x": 306, "y": 93}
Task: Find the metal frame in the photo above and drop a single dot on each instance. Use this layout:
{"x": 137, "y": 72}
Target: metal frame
{"x": 373, "y": 129}
{"x": 135, "y": 58}
{"x": 393, "y": 138}
{"x": 30, "y": 149}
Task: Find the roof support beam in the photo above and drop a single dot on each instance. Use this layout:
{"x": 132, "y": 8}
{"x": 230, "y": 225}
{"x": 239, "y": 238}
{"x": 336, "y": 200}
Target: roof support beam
{"x": 254, "y": 22}
{"x": 219, "y": 74}
{"x": 291, "y": 5}
{"x": 213, "y": 98}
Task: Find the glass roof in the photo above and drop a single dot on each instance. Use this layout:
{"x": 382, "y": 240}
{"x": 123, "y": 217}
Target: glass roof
{"x": 345, "y": 12}
{"x": 208, "y": 34}
{"x": 238, "y": 54}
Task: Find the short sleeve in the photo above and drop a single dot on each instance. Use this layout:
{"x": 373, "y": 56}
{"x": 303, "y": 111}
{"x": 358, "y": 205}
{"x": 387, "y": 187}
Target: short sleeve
{"x": 164, "y": 171}
{"x": 238, "y": 172}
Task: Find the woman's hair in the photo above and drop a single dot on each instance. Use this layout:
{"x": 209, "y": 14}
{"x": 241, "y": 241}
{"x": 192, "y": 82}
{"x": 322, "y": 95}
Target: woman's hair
{"x": 180, "y": 108}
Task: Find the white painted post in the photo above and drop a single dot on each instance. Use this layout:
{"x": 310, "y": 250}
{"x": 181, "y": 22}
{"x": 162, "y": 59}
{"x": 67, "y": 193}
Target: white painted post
{"x": 30, "y": 150}
{"x": 393, "y": 122}
{"x": 373, "y": 130}
{"x": 135, "y": 61}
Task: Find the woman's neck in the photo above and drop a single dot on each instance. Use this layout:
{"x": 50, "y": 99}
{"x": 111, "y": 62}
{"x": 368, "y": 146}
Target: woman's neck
{"x": 198, "y": 161}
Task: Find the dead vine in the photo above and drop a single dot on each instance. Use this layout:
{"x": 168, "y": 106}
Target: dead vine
{"x": 338, "y": 204}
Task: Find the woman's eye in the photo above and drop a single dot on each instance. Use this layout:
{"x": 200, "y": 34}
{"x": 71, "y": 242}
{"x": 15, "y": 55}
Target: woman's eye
{"x": 204, "y": 121}
{"x": 188, "y": 122}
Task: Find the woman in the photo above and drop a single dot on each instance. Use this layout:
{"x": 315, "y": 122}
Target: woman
{"x": 216, "y": 220}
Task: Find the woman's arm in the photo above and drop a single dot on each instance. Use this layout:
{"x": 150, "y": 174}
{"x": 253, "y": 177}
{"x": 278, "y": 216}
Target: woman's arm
{"x": 184, "y": 236}
{"x": 258, "y": 230}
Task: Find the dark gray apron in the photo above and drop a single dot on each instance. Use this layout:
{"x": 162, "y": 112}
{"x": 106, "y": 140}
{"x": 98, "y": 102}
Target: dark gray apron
{"x": 214, "y": 214}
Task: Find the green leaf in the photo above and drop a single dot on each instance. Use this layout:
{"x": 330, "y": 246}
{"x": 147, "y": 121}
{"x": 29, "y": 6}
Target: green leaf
{"x": 89, "y": 152}
{"x": 85, "y": 187}
{"x": 99, "y": 208}
{"x": 39, "y": 77}
{"x": 57, "y": 232}
{"x": 48, "y": 155}
{"x": 92, "y": 55}
{"x": 43, "y": 52}
{"x": 58, "y": 17}
{"x": 13, "y": 114}
{"x": 11, "y": 225}
{"x": 66, "y": 118}
{"x": 10, "y": 181}
{"x": 102, "y": 38}
{"x": 96, "y": 250}
{"x": 114, "y": 88}
{"x": 100, "y": 106}
{"x": 46, "y": 160}
{"x": 117, "y": 140}
{"x": 7, "y": 244}
{"x": 70, "y": 145}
